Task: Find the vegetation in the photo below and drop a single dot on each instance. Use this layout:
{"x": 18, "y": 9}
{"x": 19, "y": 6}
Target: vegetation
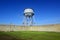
{"x": 29, "y": 35}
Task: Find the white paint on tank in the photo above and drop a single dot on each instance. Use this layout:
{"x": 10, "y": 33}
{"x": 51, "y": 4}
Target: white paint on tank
{"x": 28, "y": 10}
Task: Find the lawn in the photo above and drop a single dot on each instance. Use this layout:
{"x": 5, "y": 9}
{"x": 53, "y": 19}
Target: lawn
{"x": 29, "y": 35}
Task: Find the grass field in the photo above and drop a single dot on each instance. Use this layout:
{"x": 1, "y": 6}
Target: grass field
{"x": 29, "y": 35}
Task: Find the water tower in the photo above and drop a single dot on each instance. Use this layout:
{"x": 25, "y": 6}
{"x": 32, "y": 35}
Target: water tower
{"x": 28, "y": 16}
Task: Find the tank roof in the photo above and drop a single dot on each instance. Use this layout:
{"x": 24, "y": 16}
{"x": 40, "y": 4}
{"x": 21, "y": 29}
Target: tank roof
{"x": 28, "y": 10}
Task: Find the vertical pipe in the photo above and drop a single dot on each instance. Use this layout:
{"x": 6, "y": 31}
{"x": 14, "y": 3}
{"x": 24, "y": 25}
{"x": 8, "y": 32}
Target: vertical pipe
{"x": 31, "y": 21}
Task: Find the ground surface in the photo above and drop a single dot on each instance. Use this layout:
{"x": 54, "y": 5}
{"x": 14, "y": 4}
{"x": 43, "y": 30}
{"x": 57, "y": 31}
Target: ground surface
{"x": 29, "y": 35}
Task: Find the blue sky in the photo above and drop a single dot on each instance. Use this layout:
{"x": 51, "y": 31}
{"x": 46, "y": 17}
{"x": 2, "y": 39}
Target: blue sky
{"x": 46, "y": 11}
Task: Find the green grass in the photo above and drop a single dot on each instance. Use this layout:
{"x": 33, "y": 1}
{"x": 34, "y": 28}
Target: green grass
{"x": 30, "y": 35}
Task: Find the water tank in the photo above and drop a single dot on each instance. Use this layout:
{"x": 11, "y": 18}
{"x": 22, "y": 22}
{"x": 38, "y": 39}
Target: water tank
{"x": 28, "y": 12}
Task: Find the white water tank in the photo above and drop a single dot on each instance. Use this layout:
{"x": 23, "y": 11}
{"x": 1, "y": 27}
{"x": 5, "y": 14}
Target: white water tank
{"x": 28, "y": 12}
